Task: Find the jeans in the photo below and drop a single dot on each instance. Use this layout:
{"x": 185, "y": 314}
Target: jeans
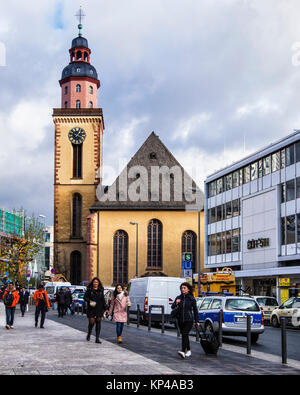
{"x": 185, "y": 328}
{"x": 10, "y": 315}
{"x": 42, "y": 310}
{"x": 23, "y": 308}
{"x": 120, "y": 326}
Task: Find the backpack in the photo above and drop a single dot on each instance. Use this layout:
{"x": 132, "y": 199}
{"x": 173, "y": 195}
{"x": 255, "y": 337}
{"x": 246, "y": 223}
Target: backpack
{"x": 8, "y": 299}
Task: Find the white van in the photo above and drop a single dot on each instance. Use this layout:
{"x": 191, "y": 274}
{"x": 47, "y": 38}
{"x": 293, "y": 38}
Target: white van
{"x": 52, "y": 287}
{"x": 159, "y": 291}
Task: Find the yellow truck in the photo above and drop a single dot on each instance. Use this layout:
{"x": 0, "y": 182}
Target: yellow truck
{"x": 220, "y": 281}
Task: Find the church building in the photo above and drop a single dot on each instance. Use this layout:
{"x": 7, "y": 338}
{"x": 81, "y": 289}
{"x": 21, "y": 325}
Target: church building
{"x": 138, "y": 226}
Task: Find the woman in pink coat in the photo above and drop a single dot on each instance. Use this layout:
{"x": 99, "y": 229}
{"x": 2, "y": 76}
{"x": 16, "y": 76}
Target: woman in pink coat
{"x": 118, "y": 309}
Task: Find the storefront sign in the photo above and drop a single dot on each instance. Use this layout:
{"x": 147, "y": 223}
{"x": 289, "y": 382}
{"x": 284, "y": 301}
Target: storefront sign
{"x": 284, "y": 282}
{"x": 259, "y": 243}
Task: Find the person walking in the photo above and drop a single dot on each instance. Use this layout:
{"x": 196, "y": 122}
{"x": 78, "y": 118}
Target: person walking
{"x": 118, "y": 309}
{"x": 96, "y": 307}
{"x": 61, "y": 302}
{"x": 185, "y": 304}
{"x": 11, "y": 299}
{"x": 42, "y": 305}
{"x": 24, "y": 298}
{"x": 68, "y": 300}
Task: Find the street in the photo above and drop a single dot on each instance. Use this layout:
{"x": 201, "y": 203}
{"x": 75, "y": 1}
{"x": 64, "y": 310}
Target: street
{"x": 162, "y": 348}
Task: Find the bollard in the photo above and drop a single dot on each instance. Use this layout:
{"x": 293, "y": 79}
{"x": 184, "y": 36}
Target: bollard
{"x": 138, "y": 316}
{"x": 220, "y": 334}
{"x": 149, "y": 318}
{"x": 248, "y": 334}
{"x": 283, "y": 340}
{"x": 162, "y": 319}
{"x": 197, "y": 333}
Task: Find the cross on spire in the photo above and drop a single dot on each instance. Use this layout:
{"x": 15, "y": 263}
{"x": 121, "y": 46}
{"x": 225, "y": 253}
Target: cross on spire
{"x": 80, "y": 15}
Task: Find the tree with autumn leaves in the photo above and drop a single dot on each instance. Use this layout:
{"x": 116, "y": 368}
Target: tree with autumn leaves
{"x": 16, "y": 253}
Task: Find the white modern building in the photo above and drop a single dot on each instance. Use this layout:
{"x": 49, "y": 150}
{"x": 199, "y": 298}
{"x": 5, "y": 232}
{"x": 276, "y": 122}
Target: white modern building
{"x": 252, "y": 219}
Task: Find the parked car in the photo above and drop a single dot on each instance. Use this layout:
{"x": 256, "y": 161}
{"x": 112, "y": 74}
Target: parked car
{"x": 268, "y": 304}
{"x": 289, "y": 309}
{"x": 234, "y": 310}
{"x": 158, "y": 291}
{"x": 78, "y": 299}
{"x": 52, "y": 288}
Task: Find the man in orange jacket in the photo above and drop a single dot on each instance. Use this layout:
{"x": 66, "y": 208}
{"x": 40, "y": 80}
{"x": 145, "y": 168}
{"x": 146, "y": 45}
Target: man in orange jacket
{"x": 42, "y": 305}
{"x": 11, "y": 299}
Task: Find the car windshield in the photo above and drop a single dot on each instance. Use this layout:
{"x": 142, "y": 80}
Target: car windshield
{"x": 241, "y": 305}
{"x": 267, "y": 301}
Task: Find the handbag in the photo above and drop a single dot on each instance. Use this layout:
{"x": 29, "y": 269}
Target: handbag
{"x": 175, "y": 312}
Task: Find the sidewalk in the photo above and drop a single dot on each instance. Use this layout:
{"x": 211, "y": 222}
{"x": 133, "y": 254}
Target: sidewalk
{"x": 61, "y": 350}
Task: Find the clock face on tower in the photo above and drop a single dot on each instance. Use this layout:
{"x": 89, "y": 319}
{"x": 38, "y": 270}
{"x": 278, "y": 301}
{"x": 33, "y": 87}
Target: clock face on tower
{"x": 77, "y": 136}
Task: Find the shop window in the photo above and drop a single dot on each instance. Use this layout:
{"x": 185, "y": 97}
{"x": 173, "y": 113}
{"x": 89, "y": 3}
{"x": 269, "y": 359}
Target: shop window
{"x": 235, "y": 179}
{"x": 254, "y": 171}
{"x": 246, "y": 174}
{"x": 290, "y": 229}
{"x": 290, "y": 190}
{"x": 219, "y": 186}
{"x": 290, "y": 155}
{"x": 266, "y": 165}
{"x": 297, "y": 147}
{"x": 276, "y": 161}
{"x": 236, "y": 208}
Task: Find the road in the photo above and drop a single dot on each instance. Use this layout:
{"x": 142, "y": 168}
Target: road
{"x": 163, "y": 348}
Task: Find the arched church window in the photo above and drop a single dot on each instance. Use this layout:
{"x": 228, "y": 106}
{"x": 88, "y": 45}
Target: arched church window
{"x": 90, "y": 104}
{"x": 154, "y": 254}
{"x": 77, "y": 160}
{"x": 78, "y": 88}
{"x": 76, "y": 215}
{"x": 120, "y": 257}
{"x": 66, "y": 104}
{"x": 78, "y": 104}
{"x": 91, "y": 90}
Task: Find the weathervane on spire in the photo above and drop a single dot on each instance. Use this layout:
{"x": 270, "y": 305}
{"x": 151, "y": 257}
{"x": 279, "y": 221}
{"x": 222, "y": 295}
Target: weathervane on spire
{"x": 80, "y": 15}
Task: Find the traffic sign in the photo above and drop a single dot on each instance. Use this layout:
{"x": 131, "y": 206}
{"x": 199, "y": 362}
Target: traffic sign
{"x": 188, "y": 273}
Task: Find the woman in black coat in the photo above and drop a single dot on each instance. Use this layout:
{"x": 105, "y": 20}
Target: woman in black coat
{"x": 186, "y": 305}
{"x": 96, "y": 307}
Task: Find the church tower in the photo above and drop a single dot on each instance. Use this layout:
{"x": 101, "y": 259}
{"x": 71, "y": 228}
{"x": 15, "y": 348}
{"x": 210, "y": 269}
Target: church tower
{"x": 79, "y": 130}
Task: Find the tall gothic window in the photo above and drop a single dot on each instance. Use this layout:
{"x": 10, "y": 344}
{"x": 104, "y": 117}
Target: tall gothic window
{"x": 154, "y": 255}
{"x": 78, "y": 104}
{"x": 75, "y": 267}
{"x": 76, "y": 215}
{"x": 78, "y": 88}
{"x": 77, "y": 160}
{"x": 188, "y": 244}
{"x": 90, "y": 104}
{"x": 120, "y": 268}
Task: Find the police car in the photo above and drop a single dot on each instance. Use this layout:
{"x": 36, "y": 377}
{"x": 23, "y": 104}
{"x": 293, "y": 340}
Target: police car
{"x": 234, "y": 310}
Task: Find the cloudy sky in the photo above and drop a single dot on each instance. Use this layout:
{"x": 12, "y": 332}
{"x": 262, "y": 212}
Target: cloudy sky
{"x": 215, "y": 79}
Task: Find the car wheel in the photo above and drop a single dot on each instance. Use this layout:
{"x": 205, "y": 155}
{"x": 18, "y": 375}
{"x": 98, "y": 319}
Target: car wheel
{"x": 208, "y": 327}
{"x": 254, "y": 338}
{"x": 274, "y": 321}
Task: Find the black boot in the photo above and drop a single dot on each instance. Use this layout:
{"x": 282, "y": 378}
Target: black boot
{"x": 98, "y": 329}
{"x": 90, "y": 328}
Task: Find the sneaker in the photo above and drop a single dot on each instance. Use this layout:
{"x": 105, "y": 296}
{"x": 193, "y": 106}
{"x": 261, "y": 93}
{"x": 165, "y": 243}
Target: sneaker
{"x": 188, "y": 353}
{"x": 7, "y": 327}
{"x": 11, "y": 327}
{"x": 182, "y": 354}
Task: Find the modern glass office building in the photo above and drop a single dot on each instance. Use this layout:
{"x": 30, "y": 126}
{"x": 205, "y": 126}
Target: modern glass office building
{"x": 252, "y": 219}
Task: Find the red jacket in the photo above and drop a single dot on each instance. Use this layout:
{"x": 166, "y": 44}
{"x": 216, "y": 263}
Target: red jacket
{"x": 37, "y": 295}
{"x": 16, "y": 297}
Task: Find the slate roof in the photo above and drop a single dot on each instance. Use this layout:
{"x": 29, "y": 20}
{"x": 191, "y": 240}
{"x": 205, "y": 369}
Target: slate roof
{"x": 151, "y": 156}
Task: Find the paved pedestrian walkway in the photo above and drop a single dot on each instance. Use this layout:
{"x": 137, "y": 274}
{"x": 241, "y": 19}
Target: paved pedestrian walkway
{"x": 61, "y": 349}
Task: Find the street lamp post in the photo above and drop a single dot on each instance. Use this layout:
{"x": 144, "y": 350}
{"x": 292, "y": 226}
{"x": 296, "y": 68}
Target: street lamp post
{"x": 137, "y": 247}
{"x": 199, "y": 237}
